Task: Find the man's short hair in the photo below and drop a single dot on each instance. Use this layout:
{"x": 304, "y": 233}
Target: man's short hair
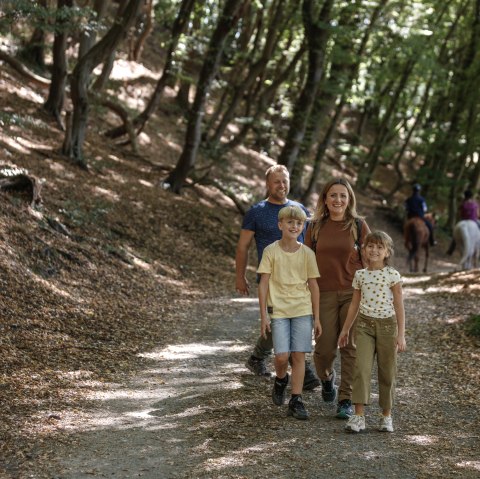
{"x": 276, "y": 169}
{"x": 292, "y": 212}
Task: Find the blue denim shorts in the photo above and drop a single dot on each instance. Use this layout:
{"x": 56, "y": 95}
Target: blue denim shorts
{"x": 292, "y": 334}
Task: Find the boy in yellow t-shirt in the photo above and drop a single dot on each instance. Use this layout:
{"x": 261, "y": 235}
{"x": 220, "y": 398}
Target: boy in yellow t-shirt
{"x": 289, "y": 296}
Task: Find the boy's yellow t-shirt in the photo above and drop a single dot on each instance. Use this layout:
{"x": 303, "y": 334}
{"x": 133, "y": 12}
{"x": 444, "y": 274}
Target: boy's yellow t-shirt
{"x": 288, "y": 292}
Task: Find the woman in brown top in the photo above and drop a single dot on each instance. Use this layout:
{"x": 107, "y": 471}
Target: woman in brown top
{"x": 333, "y": 235}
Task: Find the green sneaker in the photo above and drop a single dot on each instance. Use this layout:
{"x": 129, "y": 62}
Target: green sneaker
{"x": 344, "y": 409}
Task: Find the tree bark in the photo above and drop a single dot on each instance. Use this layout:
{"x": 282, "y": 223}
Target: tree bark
{"x": 56, "y": 95}
{"x": 317, "y": 36}
{"x": 81, "y": 73}
{"x": 228, "y": 19}
{"x": 178, "y": 28}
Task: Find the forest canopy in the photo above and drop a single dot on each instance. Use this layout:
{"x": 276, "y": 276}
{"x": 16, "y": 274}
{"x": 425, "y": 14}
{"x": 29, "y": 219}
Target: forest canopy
{"x": 374, "y": 86}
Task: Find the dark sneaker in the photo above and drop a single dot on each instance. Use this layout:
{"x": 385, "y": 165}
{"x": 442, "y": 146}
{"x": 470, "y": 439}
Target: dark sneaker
{"x": 344, "y": 409}
{"x": 329, "y": 390}
{"x": 311, "y": 380}
{"x": 278, "y": 391}
{"x": 297, "y": 409}
{"x": 258, "y": 367}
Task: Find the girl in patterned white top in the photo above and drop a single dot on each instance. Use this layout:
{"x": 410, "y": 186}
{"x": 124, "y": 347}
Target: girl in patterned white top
{"x": 380, "y": 330}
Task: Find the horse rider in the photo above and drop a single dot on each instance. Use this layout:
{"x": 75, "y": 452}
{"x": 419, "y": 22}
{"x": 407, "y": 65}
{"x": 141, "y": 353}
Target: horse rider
{"x": 469, "y": 208}
{"x": 415, "y": 205}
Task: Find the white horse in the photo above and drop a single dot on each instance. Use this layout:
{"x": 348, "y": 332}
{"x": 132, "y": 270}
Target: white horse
{"x": 466, "y": 236}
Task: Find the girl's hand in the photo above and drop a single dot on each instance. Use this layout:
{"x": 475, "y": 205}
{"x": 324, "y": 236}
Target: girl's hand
{"x": 264, "y": 327}
{"x": 317, "y": 328}
{"x": 401, "y": 344}
{"x": 343, "y": 339}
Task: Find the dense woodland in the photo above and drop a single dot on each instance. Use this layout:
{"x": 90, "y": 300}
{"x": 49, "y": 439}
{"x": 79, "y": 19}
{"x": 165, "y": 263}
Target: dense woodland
{"x": 133, "y": 133}
{"x": 366, "y": 84}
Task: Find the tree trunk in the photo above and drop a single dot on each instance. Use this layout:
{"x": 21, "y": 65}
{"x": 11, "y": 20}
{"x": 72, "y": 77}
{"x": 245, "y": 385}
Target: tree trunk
{"x": 146, "y": 30}
{"x": 228, "y": 19}
{"x": 352, "y": 74}
{"x": 265, "y": 97}
{"x": 317, "y": 36}
{"x": 178, "y": 28}
{"x": 371, "y": 160}
{"x": 107, "y": 67}
{"x": 87, "y": 38}
{"x": 56, "y": 94}
{"x": 254, "y": 72}
{"x": 81, "y": 73}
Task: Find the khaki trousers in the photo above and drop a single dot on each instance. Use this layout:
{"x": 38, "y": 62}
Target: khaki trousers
{"x": 333, "y": 313}
{"x": 375, "y": 337}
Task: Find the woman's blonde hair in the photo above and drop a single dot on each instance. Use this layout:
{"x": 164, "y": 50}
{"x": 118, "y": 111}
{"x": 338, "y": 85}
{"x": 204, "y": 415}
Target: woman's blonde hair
{"x": 380, "y": 237}
{"x": 322, "y": 214}
{"x": 292, "y": 212}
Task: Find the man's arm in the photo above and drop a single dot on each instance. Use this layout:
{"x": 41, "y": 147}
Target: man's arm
{"x": 241, "y": 260}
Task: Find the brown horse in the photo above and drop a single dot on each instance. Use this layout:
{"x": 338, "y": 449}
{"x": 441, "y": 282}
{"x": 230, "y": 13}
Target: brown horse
{"x": 417, "y": 237}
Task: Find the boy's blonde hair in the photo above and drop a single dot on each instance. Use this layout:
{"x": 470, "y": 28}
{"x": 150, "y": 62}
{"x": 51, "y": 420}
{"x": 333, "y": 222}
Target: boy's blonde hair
{"x": 380, "y": 237}
{"x": 292, "y": 212}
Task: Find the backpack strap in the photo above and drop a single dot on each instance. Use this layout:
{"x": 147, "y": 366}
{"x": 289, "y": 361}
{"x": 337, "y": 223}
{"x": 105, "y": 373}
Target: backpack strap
{"x": 357, "y": 237}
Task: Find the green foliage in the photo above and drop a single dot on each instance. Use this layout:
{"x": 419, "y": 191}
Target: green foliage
{"x": 473, "y": 325}
{"x": 48, "y": 19}
{"x": 8, "y": 120}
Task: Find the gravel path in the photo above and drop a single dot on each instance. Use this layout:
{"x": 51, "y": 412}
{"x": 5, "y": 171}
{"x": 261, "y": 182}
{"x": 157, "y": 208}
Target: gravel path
{"x": 195, "y": 411}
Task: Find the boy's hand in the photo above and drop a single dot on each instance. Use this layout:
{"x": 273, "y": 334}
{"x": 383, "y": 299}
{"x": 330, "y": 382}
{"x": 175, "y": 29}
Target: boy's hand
{"x": 342, "y": 339}
{"x": 317, "y": 327}
{"x": 401, "y": 344}
{"x": 264, "y": 327}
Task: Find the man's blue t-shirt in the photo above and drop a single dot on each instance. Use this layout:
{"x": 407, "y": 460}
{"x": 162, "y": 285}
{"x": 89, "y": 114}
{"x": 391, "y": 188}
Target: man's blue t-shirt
{"x": 262, "y": 219}
{"x": 416, "y": 206}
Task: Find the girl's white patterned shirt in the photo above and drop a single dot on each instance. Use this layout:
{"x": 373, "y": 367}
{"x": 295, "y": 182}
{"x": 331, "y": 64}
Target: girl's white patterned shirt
{"x": 376, "y": 291}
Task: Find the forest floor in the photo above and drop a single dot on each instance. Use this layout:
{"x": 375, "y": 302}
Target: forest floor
{"x": 123, "y": 344}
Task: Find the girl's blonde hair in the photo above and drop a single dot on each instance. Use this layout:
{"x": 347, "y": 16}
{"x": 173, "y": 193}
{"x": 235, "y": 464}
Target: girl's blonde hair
{"x": 292, "y": 212}
{"x": 322, "y": 214}
{"x": 380, "y": 237}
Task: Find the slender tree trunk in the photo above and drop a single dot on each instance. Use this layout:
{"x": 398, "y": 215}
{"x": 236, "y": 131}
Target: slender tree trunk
{"x": 146, "y": 30}
{"x": 317, "y": 35}
{"x": 56, "y": 94}
{"x": 371, "y": 160}
{"x": 228, "y": 19}
{"x": 265, "y": 97}
{"x": 88, "y": 37}
{"x": 81, "y": 73}
{"x": 254, "y": 72}
{"x": 178, "y": 28}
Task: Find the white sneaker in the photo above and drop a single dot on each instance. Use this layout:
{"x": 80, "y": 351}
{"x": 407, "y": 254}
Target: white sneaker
{"x": 355, "y": 424}
{"x": 386, "y": 424}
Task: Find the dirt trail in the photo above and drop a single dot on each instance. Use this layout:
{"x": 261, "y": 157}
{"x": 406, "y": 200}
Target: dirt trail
{"x": 196, "y": 412}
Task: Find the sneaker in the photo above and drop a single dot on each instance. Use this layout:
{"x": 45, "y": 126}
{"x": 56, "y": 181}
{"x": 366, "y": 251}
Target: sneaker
{"x": 258, "y": 367}
{"x": 278, "y": 390}
{"x": 297, "y": 409}
{"x": 355, "y": 424}
{"x": 344, "y": 409}
{"x": 311, "y": 380}
{"x": 329, "y": 390}
{"x": 386, "y": 424}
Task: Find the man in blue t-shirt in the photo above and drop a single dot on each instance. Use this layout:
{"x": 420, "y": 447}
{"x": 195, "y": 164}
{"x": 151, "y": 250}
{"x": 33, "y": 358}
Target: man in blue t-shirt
{"x": 416, "y": 205}
{"x": 261, "y": 223}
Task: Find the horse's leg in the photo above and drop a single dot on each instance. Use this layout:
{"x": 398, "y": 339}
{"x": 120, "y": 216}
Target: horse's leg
{"x": 426, "y": 258}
